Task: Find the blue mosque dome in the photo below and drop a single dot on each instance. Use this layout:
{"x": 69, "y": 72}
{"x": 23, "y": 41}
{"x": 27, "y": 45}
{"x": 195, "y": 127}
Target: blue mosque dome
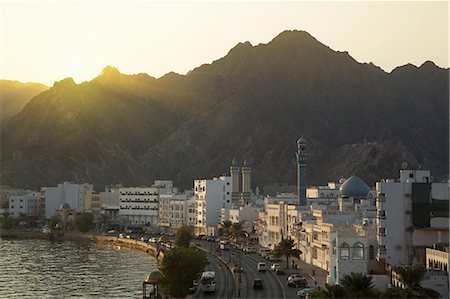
{"x": 302, "y": 140}
{"x": 354, "y": 187}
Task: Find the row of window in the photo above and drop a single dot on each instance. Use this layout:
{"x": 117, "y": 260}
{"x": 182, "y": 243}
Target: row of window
{"x": 138, "y": 208}
{"x": 356, "y": 252}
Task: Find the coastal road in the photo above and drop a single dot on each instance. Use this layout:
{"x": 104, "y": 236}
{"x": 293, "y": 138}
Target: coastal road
{"x": 224, "y": 280}
{"x": 274, "y": 286}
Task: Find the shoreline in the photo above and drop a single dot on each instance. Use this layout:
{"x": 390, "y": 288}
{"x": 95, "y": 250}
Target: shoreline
{"x": 80, "y": 237}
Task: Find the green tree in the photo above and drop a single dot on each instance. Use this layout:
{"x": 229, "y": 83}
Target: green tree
{"x": 183, "y": 237}
{"x": 180, "y": 267}
{"x": 54, "y": 221}
{"x": 286, "y": 248}
{"x": 410, "y": 277}
{"x": 83, "y": 222}
{"x": 7, "y": 222}
{"x": 237, "y": 232}
{"x": 224, "y": 230}
{"x": 358, "y": 285}
{"x": 330, "y": 291}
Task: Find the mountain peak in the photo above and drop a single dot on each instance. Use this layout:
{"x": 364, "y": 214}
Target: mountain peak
{"x": 64, "y": 82}
{"x": 109, "y": 71}
{"x": 293, "y": 35}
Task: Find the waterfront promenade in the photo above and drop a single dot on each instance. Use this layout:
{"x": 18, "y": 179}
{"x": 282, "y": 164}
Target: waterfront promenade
{"x": 152, "y": 249}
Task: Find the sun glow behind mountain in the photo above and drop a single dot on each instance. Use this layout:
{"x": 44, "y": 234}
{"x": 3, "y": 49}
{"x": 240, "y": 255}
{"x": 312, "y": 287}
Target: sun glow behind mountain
{"x": 48, "y": 41}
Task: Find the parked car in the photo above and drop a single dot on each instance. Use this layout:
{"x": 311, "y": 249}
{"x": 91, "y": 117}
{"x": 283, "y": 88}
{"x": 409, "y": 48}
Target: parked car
{"x": 304, "y": 292}
{"x": 261, "y": 266}
{"x": 294, "y": 276}
{"x": 275, "y": 267}
{"x": 297, "y": 283}
{"x": 257, "y": 284}
{"x": 273, "y": 258}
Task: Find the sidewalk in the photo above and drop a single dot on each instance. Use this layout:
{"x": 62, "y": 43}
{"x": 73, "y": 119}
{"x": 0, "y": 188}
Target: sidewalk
{"x": 315, "y": 273}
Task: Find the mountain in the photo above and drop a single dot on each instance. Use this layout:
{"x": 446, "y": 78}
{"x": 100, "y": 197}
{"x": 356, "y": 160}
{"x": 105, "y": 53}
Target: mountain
{"x": 252, "y": 104}
{"x": 14, "y": 95}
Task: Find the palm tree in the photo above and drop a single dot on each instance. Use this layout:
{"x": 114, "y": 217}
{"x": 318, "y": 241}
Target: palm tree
{"x": 237, "y": 232}
{"x": 410, "y": 277}
{"x": 286, "y": 248}
{"x": 331, "y": 291}
{"x": 358, "y": 285}
{"x": 225, "y": 229}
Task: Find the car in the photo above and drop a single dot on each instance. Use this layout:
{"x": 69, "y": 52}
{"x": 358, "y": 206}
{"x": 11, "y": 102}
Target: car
{"x": 273, "y": 258}
{"x": 297, "y": 283}
{"x": 304, "y": 292}
{"x": 257, "y": 284}
{"x": 275, "y": 267}
{"x": 294, "y": 276}
{"x": 279, "y": 271}
{"x": 261, "y": 266}
{"x": 121, "y": 236}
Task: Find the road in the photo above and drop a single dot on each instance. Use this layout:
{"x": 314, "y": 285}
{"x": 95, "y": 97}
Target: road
{"x": 274, "y": 286}
{"x": 224, "y": 280}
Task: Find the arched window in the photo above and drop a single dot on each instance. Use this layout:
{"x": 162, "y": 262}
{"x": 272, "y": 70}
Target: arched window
{"x": 344, "y": 251}
{"x": 358, "y": 251}
{"x": 371, "y": 252}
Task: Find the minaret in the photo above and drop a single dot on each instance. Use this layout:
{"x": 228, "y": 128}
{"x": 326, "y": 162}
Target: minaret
{"x": 246, "y": 171}
{"x": 302, "y": 161}
{"x": 234, "y": 171}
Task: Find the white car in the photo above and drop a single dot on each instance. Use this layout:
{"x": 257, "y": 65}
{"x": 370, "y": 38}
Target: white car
{"x": 304, "y": 292}
{"x": 275, "y": 267}
{"x": 261, "y": 267}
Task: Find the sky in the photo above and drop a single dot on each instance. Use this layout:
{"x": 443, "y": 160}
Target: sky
{"x": 48, "y": 41}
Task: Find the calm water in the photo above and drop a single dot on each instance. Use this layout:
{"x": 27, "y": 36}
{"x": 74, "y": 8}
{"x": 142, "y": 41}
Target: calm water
{"x": 45, "y": 269}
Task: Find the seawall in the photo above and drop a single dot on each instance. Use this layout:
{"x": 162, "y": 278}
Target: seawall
{"x": 75, "y": 236}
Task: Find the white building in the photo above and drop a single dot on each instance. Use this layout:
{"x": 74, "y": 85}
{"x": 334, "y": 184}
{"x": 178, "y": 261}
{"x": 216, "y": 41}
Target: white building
{"x": 173, "y": 211}
{"x": 412, "y": 214}
{"x": 138, "y": 206}
{"x": 245, "y": 214}
{"x": 74, "y": 195}
{"x": 211, "y": 196}
{"x": 27, "y": 205}
{"x": 109, "y": 203}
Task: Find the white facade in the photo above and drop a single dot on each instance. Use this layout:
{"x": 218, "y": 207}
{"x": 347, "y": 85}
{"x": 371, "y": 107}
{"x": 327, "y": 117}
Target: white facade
{"x": 402, "y": 236}
{"x": 74, "y": 195}
{"x": 28, "y": 205}
{"x": 246, "y": 214}
{"x": 173, "y": 211}
{"x": 138, "y": 206}
{"x": 211, "y": 196}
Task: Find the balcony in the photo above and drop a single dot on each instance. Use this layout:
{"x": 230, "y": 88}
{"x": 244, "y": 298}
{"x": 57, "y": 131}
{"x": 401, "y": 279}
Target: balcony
{"x": 381, "y": 214}
{"x": 381, "y": 197}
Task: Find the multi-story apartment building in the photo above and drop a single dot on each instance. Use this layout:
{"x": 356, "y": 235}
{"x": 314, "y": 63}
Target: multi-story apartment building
{"x": 173, "y": 211}
{"x": 109, "y": 203}
{"x": 412, "y": 214}
{"x": 74, "y": 195}
{"x": 211, "y": 196}
{"x": 246, "y": 215}
{"x": 138, "y": 206}
{"x": 28, "y": 205}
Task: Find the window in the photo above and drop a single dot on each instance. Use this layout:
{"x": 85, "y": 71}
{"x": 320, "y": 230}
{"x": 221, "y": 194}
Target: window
{"x": 334, "y": 246}
{"x": 344, "y": 252}
{"x": 358, "y": 251}
{"x": 371, "y": 252}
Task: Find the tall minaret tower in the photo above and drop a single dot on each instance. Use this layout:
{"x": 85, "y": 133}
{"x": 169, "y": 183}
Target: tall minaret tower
{"x": 302, "y": 161}
{"x": 234, "y": 171}
{"x": 246, "y": 171}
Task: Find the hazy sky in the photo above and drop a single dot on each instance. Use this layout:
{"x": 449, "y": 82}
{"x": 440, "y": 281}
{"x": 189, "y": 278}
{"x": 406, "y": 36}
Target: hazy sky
{"x": 48, "y": 41}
